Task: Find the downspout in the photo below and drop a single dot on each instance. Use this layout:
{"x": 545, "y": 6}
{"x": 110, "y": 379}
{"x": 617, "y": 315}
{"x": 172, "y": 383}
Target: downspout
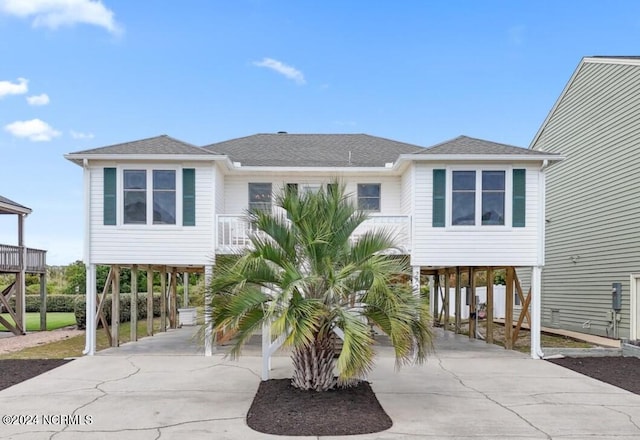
{"x": 90, "y": 272}
{"x": 536, "y": 275}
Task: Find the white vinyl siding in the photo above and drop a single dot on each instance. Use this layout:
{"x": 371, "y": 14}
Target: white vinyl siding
{"x": 152, "y": 244}
{"x": 472, "y": 245}
{"x": 237, "y": 195}
{"x": 592, "y": 198}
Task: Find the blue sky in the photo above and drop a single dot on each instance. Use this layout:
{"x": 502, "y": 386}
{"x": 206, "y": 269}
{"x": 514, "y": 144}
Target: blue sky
{"x": 78, "y": 74}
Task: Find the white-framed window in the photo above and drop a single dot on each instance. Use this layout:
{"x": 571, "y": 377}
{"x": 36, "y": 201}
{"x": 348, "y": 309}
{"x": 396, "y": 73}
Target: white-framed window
{"x": 150, "y": 196}
{"x": 479, "y": 197}
{"x": 369, "y": 197}
{"x": 260, "y": 195}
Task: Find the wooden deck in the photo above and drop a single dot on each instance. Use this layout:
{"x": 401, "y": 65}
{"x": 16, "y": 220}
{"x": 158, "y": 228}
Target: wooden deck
{"x": 36, "y": 260}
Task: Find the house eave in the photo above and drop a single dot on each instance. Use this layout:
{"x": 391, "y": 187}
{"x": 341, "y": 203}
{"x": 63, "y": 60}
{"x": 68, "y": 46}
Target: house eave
{"x": 78, "y": 158}
{"x": 480, "y": 158}
{"x": 6, "y": 208}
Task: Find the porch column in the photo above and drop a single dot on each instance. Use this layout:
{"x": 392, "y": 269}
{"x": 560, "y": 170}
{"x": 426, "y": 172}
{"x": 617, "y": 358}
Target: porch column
{"x": 90, "y": 318}
{"x": 185, "y": 294}
{"x": 208, "y": 332}
{"x": 536, "y": 278}
{"x": 415, "y": 280}
{"x": 21, "y": 286}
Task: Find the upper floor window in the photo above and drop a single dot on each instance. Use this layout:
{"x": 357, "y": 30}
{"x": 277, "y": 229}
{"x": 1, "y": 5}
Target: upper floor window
{"x": 490, "y": 197}
{"x": 479, "y": 197}
{"x": 164, "y": 197}
{"x": 135, "y": 197}
{"x": 369, "y": 196}
{"x": 463, "y": 198}
{"x": 260, "y": 197}
{"x": 146, "y": 196}
{"x": 493, "y": 193}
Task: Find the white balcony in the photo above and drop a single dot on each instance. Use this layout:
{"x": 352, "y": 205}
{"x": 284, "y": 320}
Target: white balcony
{"x": 233, "y": 231}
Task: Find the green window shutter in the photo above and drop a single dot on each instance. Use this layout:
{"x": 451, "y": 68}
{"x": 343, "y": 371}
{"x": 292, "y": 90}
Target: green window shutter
{"x": 188, "y": 197}
{"x": 519, "y": 197}
{"x": 109, "y": 203}
{"x": 439, "y": 195}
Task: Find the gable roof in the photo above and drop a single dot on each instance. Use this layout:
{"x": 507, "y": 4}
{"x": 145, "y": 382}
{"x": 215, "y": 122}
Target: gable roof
{"x": 308, "y": 150}
{"x": 162, "y": 144}
{"x": 464, "y": 145}
{"x": 10, "y": 207}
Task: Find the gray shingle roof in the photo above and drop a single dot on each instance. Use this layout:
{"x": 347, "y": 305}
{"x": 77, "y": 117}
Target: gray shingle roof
{"x": 307, "y": 150}
{"x": 471, "y": 146}
{"x": 20, "y": 207}
{"x": 156, "y": 145}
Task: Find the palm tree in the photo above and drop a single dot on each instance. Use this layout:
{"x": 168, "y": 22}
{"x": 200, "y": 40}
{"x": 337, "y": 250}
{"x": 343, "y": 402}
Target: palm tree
{"x": 305, "y": 276}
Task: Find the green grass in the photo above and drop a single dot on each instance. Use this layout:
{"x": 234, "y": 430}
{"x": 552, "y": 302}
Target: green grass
{"x": 55, "y": 320}
{"x": 72, "y": 347}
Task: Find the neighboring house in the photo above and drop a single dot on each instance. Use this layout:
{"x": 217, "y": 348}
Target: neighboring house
{"x": 162, "y": 203}
{"x": 593, "y": 227}
{"x": 19, "y": 261}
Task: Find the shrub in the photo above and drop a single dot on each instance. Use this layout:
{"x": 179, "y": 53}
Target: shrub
{"x": 55, "y": 303}
{"x": 125, "y": 308}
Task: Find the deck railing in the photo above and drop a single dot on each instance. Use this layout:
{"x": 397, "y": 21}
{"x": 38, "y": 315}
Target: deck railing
{"x": 35, "y": 262}
{"x": 233, "y": 231}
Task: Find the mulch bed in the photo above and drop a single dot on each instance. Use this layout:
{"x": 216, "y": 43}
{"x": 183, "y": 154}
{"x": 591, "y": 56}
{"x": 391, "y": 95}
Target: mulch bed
{"x": 13, "y": 371}
{"x": 279, "y": 408}
{"x": 623, "y": 372}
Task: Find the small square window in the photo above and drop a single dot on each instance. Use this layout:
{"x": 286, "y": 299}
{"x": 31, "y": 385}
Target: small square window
{"x": 260, "y": 197}
{"x": 369, "y": 197}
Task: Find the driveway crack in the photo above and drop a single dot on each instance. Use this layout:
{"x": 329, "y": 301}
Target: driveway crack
{"x": 486, "y": 396}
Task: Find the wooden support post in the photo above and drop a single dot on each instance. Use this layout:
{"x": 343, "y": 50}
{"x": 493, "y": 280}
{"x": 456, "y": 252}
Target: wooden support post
{"x": 523, "y": 312}
{"x": 508, "y": 311}
{"x": 446, "y": 299}
{"x": 185, "y": 289}
{"x": 521, "y": 296}
{"x": 489, "y": 337}
{"x": 115, "y": 307}
{"x": 173, "y": 300}
{"x": 43, "y": 301}
{"x": 436, "y": 297}
{"x": 163, "y": 300}
{"x": 458, "y": 313}
{"x": 5, "y": 295}
{"x": 472, "y": 303}
{"x": 134, "y": 303}
{"x": 100, "y": 301}
{"x": 149, "y": 302}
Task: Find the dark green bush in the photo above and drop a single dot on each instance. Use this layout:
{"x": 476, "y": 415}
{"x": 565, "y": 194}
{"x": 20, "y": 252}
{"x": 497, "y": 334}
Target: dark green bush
{"x": 55, "y": 303}
{"x": 125, "y": 308}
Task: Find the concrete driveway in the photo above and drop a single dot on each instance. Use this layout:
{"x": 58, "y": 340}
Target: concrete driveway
{"x": 161, "y": 388}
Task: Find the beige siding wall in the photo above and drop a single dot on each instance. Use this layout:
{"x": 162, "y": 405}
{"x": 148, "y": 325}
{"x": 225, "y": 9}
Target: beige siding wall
{"x": 153, "y": 244}
{"x": 593, "y": 203}
{"x": 477, "y": 245}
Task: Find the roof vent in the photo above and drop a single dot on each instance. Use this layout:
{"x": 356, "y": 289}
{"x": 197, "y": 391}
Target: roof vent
{"x": 282, "y": 132}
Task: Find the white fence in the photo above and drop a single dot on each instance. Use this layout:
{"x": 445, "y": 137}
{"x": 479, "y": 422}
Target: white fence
{"x": 499, "y": 292}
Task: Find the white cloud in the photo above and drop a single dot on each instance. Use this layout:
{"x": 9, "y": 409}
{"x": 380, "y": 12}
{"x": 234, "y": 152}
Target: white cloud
{"x": 79, "y": 135}
{"x": 55, "y": 13}
{"x": 17, "y": 88}
{"x": 35, "y": 130}
{"x": 283, "y": 69}
{"x": 42, "y": 99}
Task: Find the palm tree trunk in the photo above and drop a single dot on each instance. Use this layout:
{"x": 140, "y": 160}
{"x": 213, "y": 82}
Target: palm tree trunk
{"x": 313, "y": 365}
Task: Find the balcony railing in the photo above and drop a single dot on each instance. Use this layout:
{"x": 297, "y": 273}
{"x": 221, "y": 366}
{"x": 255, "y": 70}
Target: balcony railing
{"x": 233, "y": 231}
{"x": 36, "y": 259}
